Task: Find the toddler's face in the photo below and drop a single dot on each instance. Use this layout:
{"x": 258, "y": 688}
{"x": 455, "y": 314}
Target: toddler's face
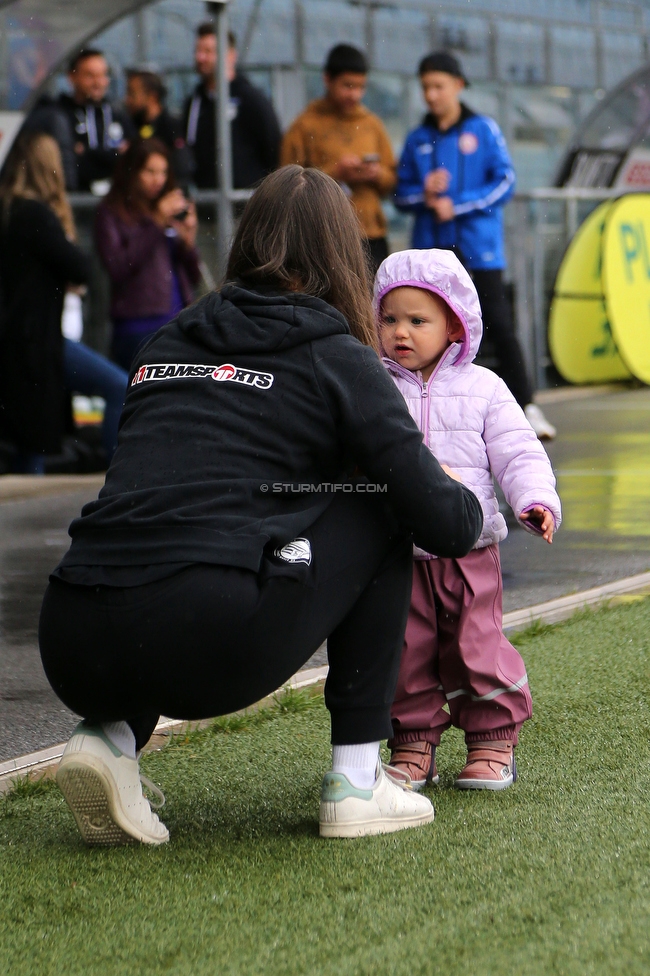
{"x": 416, "y": 328}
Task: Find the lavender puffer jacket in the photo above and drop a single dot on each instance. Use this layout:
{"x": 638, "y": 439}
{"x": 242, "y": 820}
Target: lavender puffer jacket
{"x": 468, "y": 416}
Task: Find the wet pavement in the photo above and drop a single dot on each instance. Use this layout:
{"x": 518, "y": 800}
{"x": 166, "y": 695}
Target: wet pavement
{"x": 602, "y": 461}
{"x": 33, "y": 537}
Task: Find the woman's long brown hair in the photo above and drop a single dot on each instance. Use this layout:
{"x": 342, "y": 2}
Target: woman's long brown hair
{"x": 299, "y": 233}
{"x": 125, "y": 195}
{"x": 34, "y": 170}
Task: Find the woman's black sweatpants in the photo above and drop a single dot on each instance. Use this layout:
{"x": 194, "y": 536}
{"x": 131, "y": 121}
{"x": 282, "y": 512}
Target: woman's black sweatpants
{"x": 213, "y": 639}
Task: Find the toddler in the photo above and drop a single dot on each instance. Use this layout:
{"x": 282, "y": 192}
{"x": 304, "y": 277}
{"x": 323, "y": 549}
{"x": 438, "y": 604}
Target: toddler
{"x": 455, "y": 653}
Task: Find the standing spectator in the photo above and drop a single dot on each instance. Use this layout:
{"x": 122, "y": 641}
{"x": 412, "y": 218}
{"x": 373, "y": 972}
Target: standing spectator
{"x": 145, "y": 233}
{"x": 38, "y": 262}
{"x": 145, "y": 103}
{"x": 455, "y": 174}
{"x": 255, "y": 131}
{"x": 47, "y": 116}
{"x": 341, "y": 137}
{"x": 100, "y": 131}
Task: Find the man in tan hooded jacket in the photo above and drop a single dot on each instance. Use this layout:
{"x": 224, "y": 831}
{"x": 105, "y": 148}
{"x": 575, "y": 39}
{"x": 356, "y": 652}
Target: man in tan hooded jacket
{"x": 341, "y": 137}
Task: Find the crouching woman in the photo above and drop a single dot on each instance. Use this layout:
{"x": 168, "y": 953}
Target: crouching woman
{"x": 196, "y": 583}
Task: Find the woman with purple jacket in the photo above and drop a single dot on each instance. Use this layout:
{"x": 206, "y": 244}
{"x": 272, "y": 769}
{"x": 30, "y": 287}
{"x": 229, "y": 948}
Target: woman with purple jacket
{"x": 145, "y": 235}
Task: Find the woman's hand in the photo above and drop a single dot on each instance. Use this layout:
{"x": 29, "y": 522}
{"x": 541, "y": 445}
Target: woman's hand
{"x": 172, "y": 203}
{"x": 452, "y": 474}
{"x": 186, "y": 228}
{"x": 542, "y": 519}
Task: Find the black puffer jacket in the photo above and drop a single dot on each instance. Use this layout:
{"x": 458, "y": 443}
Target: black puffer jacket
{"x": 242, "y": 392}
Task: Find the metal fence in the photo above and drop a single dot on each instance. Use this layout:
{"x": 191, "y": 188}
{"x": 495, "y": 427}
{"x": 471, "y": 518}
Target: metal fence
{"x": 539, "y": 227}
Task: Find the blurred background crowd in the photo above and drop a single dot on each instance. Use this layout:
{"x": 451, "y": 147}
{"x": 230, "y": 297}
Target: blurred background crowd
{"x": 142, "y": 163}
{"x": 107, "y": 188}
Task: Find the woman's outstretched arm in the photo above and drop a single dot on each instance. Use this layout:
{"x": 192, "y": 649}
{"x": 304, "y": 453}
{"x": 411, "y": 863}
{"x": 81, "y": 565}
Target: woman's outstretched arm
{"x": 444, "y": 517}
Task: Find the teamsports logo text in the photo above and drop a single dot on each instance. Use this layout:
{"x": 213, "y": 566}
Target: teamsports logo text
{"x": 226, "y": 373}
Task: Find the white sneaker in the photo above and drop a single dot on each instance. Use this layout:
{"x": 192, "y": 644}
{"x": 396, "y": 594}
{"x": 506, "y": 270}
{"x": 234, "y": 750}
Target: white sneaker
{"x": 390, "y": 805}
{"x": 103, "y": 788}
{"x": 542, "y": 427}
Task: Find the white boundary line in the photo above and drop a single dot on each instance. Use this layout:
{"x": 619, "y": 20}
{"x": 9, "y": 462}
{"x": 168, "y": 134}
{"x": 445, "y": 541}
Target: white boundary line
{"x": 550, "y": 612}
{"x": 564, "y": 606}
{"x": 33, "y": 762}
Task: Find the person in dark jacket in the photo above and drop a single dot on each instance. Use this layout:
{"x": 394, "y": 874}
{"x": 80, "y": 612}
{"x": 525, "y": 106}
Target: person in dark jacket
{"x": 100, "y": 130}
{"x": 145, "y": 103}
{"x": 47, "y": 116}
{"x": 145, "y": 233}
{"x": 255, "y": 131}
{"x": 39, "y": 261}
{"x": 233, "y": 535}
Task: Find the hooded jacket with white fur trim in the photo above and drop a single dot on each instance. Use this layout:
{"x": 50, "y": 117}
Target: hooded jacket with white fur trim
{"x": 469, "y": 418}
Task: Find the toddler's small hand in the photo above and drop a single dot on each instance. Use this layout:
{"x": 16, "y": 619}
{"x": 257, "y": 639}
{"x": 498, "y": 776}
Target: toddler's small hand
{"x": 452, "y": 474}
{"x": 542, "y": 519}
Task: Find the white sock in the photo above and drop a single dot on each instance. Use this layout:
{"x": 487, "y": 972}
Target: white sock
{"x": 358, "y": 763}
{"x": 122, "y": 737}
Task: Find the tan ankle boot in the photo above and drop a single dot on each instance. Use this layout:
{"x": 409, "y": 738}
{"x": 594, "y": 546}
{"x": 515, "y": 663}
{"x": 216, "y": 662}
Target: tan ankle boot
{"x": 490, "y": 766}
{"x": 417, "y": 760}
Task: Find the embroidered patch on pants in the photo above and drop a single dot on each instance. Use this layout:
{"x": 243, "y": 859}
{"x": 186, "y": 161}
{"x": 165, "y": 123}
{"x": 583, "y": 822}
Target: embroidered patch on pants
{"x": 298, "y": 551}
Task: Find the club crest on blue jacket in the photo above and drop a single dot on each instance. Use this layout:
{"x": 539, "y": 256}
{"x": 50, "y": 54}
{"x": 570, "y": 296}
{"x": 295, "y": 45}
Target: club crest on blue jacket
{"x": 482, "y": 180}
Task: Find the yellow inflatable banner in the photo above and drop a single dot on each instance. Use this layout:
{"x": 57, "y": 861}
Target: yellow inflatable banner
{"x": 580, "y": 335}
{"x": 626, "y": 280}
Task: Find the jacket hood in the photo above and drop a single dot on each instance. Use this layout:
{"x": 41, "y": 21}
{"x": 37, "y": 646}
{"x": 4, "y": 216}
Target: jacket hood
{"x": 67, "y": 101}
{"x": 442, "y": 273}
{"x": 238, "y": 320}
{"x": 465, "y": 113}
{"x": 321, "y": 107}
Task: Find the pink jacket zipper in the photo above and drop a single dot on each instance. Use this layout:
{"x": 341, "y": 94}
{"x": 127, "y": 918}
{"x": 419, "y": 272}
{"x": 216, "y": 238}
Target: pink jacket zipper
{"x": 424, "y": 390}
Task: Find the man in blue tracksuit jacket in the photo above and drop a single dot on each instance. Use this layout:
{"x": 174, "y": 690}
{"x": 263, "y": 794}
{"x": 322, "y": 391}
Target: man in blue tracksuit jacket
{"x": 455, "y": 174}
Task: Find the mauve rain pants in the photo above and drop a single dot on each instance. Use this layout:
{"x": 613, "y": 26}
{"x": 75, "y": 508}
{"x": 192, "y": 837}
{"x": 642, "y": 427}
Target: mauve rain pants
{"x": 455, "y": 654}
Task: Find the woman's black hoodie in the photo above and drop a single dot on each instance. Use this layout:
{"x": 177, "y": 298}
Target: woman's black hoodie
{"x": 242, "y": 393}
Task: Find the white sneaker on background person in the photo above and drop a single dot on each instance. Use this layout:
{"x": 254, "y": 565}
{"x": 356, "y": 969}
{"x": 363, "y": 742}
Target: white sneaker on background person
{"x": 390, "y": 805}
{"x": 103, "y": 789}
{"x": 542, "y": 427}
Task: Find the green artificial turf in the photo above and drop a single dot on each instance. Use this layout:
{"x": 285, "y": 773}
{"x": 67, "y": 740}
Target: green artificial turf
{"x": 549, "y": 877}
